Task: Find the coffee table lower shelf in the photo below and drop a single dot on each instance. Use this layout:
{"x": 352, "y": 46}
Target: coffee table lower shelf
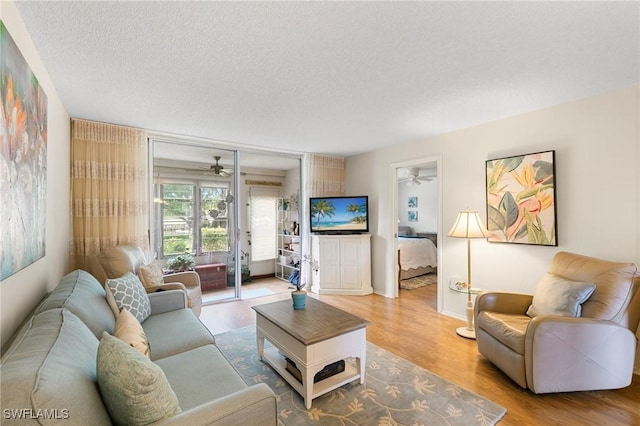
{"x": 277, "y": 361}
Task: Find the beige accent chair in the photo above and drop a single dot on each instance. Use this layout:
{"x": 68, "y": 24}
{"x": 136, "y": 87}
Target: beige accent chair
{"x": 594, "y": 350}
{"x": 116, "y": 261}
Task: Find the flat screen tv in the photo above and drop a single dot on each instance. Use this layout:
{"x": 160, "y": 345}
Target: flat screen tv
{"x": 339, "y": 215}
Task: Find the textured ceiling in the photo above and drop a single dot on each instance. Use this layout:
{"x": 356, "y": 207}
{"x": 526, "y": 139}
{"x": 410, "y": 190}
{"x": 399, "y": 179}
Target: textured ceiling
{"x": 328, "y": 77}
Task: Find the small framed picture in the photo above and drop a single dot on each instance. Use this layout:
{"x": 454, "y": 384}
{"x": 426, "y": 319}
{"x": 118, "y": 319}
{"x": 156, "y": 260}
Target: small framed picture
{"x": 412, "y": 202}
{"x": 412, "y": 216}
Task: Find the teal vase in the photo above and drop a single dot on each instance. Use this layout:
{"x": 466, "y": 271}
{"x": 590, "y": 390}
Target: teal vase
{"x": 299, "y": 299}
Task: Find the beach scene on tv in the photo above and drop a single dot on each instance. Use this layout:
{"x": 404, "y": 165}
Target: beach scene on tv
{"x": 339, "y": 214}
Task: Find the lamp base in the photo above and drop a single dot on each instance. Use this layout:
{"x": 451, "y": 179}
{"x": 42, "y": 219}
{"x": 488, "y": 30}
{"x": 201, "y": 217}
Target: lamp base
{"x": 466, "y": 333}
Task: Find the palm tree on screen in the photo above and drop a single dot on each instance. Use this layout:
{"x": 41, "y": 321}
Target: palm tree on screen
{"x": 321, "y": 208}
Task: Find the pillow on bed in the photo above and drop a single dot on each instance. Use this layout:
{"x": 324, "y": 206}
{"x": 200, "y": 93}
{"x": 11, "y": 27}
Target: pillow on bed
{"x": 404, "y": 231}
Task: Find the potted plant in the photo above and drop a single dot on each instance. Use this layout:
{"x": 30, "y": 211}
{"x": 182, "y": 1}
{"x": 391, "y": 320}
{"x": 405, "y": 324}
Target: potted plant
{"x": 283, "y": 204}
{"x": 180, "y": 263}
{"x": 299, "y": 296}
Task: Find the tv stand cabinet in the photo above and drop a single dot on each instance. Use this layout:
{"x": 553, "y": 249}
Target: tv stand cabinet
{"x": 341, "y": 264}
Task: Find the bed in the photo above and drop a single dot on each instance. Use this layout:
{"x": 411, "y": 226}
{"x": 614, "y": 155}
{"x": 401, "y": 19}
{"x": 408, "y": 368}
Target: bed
{"x": 417, "y": 254}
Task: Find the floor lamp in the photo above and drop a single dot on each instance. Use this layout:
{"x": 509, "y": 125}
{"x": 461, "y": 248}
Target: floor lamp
{"x": 468, "y": 225}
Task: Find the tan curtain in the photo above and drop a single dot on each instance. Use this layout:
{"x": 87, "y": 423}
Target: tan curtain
{"x": 108, "y": 188}
{"x": 326, "y": 176}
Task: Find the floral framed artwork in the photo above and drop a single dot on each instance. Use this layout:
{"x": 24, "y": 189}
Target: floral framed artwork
{"x": 412, "y": 216}
{"x": 23, "y": 159}
{"x": 521, "y": 199}
{"x": 412, "y": 202}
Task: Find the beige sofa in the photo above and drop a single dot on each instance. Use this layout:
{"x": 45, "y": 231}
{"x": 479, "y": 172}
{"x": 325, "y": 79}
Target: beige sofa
{"x": 551, "y": 353}
{"x": 117, "y": 260}
{"x": 48, "y": 372}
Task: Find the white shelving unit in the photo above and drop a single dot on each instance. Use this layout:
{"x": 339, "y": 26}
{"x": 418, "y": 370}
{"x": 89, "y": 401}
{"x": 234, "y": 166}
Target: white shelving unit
{"x": 288, "y": 247}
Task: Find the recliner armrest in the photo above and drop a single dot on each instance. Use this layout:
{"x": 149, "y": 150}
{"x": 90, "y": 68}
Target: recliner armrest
{"x": 573, "y": 354}
{"x": 188, "y": 278}
{"x": 253, "y": 405}
{"x": 166, "y": 286}
{"x": 506, "y": 303}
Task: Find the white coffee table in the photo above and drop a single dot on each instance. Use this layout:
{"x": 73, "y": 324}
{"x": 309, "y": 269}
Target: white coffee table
{"x": 312, "y": 338}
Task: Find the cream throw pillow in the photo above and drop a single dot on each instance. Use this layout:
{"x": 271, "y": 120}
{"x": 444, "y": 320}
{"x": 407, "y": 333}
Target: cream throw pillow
{"x": 150, "y": 275}
{"x": 134, "y": 389}
{"x": 129, "y": 330}
{"x": 558, "y": 296}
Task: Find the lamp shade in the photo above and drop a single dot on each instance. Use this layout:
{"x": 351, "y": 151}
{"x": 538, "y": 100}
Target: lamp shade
{"x": 468, "y": 225}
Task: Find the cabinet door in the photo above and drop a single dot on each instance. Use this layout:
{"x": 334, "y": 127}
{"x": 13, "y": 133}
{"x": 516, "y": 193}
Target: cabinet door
{"x": 330, "y": 263}
{"x": 350, "y": 252}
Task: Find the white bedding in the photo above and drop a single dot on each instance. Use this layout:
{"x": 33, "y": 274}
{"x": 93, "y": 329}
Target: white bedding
{"x": 417, "y": 253}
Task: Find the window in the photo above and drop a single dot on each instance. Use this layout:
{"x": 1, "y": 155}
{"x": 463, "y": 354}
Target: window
{"x": 263, "y": 224}
{"x": 193, "y": 224}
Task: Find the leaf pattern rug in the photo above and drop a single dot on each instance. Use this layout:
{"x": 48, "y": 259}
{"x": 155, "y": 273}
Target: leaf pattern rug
{"x": 395, "y": 392}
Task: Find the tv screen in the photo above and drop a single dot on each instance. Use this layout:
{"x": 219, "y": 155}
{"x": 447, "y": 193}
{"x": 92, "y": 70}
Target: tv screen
{"x": 339, "y": 215}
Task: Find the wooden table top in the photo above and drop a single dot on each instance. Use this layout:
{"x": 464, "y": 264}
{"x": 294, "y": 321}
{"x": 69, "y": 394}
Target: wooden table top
{"x": 317, "y": 322}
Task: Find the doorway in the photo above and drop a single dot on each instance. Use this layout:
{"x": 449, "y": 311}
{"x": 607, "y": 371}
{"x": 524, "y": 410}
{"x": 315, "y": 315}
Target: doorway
{"x": 416, "y": 192}
{"x": 201, "y": 207}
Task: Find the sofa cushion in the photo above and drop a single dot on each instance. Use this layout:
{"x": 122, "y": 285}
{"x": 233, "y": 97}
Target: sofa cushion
{"x": 510, "y": 329}
{"x": 556, "y": 296}
{"x": 134, "y": 389}
{"x": 83, "y": 295}
{"x": 174, "y": 332}
{"x": 129, "y": 330}
{"x": 51, "y": 365}
{"x": 128, "y": 292}
{"x": 151, "y": 275}
{"x": 201, "y": 375}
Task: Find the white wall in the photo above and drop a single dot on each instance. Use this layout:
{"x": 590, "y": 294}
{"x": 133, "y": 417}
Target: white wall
{"x": 20, "y": 292}
{"x": 427, "y": 194}
{"x": 597, "y": 144}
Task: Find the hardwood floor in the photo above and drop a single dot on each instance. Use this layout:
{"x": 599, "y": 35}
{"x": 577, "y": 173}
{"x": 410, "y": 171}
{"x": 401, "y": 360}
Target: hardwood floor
{"x": 410, "y": 327}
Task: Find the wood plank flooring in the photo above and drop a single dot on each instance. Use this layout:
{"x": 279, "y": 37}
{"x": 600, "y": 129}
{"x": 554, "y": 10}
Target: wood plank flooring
{"x": 410, "y": 327}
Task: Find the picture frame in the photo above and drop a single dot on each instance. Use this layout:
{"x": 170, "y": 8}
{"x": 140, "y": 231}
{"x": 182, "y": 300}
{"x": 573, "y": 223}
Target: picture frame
{"x": 521, "y": 199}
{"x": 412, "y": 216}
{"x": 24, "y": 185}
{"x": 412, "y": 202}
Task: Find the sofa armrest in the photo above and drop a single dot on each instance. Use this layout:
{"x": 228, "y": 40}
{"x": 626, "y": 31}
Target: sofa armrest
{"x": 253, "y": 405}
{"x": 165, "y": 301}
{"x": 187, "y": 278}
{"x": 575, "y": 354}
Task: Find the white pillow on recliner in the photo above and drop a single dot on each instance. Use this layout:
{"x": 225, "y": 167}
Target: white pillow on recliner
{"x": 558, "y": 296}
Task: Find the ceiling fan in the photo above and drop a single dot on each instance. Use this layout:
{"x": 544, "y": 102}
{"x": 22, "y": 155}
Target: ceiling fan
{"x": 413, "y": 178}
{"x": 217, "y": 169}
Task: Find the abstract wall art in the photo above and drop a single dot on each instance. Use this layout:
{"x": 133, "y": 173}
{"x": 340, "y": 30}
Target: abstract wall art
{"x": 521, "y": 199}
{"x": 23, "y": 160}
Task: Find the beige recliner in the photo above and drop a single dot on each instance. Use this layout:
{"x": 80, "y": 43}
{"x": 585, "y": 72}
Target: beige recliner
{"x": 116, "y": 261}
{"x": 550, "y": 353}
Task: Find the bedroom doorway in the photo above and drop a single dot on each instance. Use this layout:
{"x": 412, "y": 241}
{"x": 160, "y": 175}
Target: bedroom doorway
{"x": 416, "y": 224}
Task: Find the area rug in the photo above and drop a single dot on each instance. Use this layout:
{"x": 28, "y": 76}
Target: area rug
{"x": 395, "y": 392}
{"x": 419, "y": 281}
